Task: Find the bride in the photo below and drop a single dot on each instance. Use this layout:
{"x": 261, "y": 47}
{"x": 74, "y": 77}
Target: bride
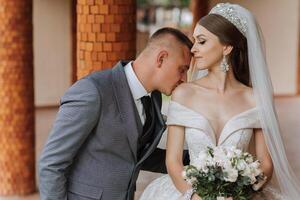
{"x": 231, "y": 105}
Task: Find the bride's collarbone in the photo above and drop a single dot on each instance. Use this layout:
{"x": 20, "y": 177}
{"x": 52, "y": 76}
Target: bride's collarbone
{"x": 218, "y": 114}
{"x": 217, "y": 109}
{"x": 224, "y": 105}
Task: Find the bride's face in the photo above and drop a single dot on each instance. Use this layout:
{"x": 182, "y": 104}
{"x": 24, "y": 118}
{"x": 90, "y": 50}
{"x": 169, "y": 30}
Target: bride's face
{"x": 207, "y": 49}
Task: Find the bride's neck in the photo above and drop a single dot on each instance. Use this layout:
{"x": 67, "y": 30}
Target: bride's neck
{"x": 221, "y": 81}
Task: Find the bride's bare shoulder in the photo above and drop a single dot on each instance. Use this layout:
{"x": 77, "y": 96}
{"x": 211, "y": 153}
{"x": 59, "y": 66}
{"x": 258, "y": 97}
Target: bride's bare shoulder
{"x": 185, "y": 92}
{"x": 182, "y": 92}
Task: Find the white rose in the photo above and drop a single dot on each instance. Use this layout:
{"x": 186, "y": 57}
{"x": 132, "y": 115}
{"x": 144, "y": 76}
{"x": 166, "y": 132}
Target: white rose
{"x": 241, "y": 165}
{"x": 191, "y": 181}
{"x": 252, "y": 173}
{"x": 205, "y": 170}
{"x": 230, "y": 152}
{"x": 220, "y": 158}
{"x": 238, "y": 152}
{"x": 227, "y": 165}
{"x": 249, "y": 159}
{"x": 199, "y": 164}
{"x": 255, "y": 168}
{"x": 232, "y": 175}
{"x": 246, "y": 172}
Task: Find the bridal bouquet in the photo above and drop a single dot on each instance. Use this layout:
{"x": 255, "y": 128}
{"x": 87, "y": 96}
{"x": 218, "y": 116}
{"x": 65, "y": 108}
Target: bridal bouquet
{"x": 224, "y": 172}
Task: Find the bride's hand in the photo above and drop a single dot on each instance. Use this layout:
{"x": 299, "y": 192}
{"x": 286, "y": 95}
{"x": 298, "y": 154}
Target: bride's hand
{"x": 196, "y": 197}
{"x": 260, "y": 184}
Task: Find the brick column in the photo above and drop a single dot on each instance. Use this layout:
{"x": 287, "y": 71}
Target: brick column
{"x": 298, "y": 73}
{"x": 106, "y": 33}
{"x": 199, "y": 9}
{"x": 17, "y": 166}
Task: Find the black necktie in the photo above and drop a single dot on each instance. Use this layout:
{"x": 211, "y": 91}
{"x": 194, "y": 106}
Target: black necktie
{"x": 146, "y": 134}
{"x": 147, "y": 104}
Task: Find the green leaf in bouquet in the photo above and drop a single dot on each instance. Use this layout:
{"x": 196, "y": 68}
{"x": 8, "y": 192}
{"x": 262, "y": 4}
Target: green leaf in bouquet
{"x": 211, "y": 177}
{"x": 210, "y": 151}
{"x": 191, "y": 171}
{"x": 245, "y": 180}
{"x": 220, "y": 174}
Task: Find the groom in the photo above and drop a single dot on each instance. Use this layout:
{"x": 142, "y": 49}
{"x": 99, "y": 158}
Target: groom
{"x": 109, "y": 124}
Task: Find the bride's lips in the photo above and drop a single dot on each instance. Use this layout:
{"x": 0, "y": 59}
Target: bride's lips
{"x": 197, "y": 57}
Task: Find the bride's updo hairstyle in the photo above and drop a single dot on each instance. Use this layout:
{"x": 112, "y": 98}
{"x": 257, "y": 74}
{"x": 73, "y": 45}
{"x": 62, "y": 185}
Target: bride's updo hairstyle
{"x": 228, "y": 34}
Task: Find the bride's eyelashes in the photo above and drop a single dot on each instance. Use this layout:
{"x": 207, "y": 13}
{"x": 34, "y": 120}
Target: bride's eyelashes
{"x": 201, "y": 42}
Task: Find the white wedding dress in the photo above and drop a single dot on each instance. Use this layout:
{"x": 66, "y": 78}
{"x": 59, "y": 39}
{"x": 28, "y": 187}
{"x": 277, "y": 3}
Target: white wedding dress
{"x": 198, "y": 135}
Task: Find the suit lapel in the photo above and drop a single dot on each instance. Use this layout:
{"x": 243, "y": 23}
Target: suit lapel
{"x": 126, "y": 106}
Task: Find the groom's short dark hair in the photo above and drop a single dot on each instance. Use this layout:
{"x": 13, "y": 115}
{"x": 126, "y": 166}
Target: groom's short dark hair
{"x": 178, "y": 35}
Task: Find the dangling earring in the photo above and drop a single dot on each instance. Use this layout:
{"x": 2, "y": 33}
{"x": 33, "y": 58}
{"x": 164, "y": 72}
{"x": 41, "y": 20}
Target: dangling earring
{"x": 224, "y": 65}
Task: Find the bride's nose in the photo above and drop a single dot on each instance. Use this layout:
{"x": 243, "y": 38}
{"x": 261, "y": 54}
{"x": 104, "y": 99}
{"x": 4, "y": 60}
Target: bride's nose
{"x": 193, "y": 50}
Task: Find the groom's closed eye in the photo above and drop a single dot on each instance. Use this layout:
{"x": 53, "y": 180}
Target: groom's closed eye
{"x": 184, "y": 68}
{"x": 181, "y": 70}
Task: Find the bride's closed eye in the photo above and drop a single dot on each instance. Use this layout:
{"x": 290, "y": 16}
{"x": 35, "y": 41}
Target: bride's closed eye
{"x": 202, "y": 42}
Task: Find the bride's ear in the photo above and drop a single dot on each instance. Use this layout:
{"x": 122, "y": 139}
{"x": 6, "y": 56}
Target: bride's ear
{"x": 227, "y": 50}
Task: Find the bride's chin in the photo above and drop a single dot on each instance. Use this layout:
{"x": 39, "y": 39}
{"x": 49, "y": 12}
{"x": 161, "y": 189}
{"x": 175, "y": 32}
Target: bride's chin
{"x": 200, "y": 66}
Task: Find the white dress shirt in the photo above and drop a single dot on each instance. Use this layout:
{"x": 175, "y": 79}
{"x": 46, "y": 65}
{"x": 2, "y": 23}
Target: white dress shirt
{"x": 137, "y": 90}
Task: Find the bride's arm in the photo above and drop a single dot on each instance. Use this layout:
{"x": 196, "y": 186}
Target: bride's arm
{"x": 175, "y": 143}
{"x": 262, "y": 153}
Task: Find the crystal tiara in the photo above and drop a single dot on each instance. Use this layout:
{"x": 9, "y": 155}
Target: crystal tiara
{"x": 228, "y": 11}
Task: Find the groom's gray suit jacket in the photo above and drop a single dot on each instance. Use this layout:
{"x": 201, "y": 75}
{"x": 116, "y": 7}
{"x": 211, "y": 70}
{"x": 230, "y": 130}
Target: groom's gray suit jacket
{"x": 91, "y": 152}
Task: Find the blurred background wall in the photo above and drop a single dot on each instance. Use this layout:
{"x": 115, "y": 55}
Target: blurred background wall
{"x": 279, "y": 21}
{"x": 52, "y": 50}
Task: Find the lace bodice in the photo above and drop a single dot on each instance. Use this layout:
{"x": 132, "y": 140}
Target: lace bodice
{"x": 199, "y": 133}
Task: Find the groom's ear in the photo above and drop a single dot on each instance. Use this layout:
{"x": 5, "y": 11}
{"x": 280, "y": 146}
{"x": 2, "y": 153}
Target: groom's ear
{"x": 227, "y": 50}
{"x": 161, "y": 56}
